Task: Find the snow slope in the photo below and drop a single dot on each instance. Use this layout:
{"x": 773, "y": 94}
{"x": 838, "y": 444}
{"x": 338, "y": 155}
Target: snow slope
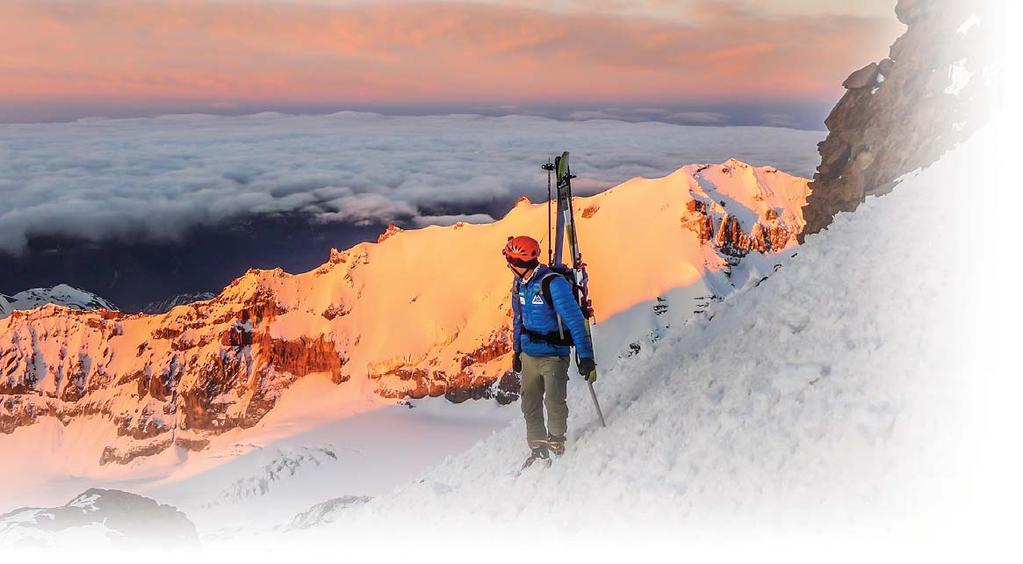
{"x": 839, "y": 394}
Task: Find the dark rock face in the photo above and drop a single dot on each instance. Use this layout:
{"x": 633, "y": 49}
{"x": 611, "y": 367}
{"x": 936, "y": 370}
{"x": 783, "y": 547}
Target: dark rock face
{"x": 698, "y": 220}
{"x": 508, "y": 388}
{"x": 934, "y": 90}
{"x": 122, "y": 518}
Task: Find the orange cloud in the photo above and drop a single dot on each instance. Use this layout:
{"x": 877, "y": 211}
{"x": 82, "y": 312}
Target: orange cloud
{"x": 418, "y": 54}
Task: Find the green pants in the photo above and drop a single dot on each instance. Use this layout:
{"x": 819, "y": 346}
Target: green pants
{"x": 544, "y": 383}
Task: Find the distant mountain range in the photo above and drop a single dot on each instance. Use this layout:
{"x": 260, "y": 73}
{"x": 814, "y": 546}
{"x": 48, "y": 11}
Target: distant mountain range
{"x": 83, "y": 300}
{"x": 62, "y": 295}
{"x": 172, "y": 302}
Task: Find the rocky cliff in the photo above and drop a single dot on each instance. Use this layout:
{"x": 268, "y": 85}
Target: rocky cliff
{"x": 934, "y": 89}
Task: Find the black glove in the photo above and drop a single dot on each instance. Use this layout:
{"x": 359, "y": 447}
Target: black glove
{"x": 586, "y": 365}
{"x": 516, "y": 363}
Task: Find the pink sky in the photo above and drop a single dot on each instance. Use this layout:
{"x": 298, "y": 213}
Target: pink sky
{"x": 222, "y": 54}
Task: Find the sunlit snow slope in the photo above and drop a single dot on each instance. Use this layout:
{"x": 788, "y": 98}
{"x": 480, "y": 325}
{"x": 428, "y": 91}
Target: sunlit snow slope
{"x": 838, "y": 391}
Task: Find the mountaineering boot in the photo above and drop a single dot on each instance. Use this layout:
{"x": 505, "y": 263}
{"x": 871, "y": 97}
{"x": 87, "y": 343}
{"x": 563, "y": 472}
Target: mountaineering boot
{"x": 556, "y": 444}
{"x": 538, "y": 453}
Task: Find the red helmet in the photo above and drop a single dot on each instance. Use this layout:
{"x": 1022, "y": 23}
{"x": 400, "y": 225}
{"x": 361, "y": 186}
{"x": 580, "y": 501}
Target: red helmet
{"x": 522, "y": 251}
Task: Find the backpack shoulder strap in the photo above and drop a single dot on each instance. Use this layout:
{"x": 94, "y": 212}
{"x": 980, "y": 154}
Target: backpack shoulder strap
{"x": 545, "y": 287}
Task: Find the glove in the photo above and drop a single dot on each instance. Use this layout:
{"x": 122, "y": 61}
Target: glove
{"x": 516, "y": 363}
{"x": 586, "y": 365}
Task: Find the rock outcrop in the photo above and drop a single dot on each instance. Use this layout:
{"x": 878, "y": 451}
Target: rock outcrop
{"x": 934, "y": 89}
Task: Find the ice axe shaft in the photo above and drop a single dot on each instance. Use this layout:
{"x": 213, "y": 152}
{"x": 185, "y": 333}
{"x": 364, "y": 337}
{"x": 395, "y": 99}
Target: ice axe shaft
{"x": 596, "y": 403}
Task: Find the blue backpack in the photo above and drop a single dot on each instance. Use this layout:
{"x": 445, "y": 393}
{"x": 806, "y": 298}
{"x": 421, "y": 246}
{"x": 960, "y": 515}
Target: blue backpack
{"x": 563, "y": 337}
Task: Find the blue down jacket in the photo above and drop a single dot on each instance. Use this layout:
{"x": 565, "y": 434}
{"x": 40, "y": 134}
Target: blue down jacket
{"x": 532, "y": 312}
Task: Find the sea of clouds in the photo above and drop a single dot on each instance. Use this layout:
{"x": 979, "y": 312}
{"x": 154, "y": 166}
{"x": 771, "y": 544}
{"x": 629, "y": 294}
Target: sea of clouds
{"x": 156, "y": 178}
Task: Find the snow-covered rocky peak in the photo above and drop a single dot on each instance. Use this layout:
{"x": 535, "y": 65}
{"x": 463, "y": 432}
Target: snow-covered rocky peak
{"x": 99, "y": 517}
{"x": 743, "y": 209}
{"x": 61, "y": 295}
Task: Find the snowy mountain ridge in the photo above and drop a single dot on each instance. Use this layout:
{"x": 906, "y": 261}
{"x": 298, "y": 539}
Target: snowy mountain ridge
{"x": 385, "y": 320}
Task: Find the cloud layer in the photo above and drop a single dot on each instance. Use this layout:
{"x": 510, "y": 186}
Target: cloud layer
{"x": 155, "y": 178}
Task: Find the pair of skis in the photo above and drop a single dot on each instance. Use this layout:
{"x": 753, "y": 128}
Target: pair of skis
{"x": 565, "y": 226}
